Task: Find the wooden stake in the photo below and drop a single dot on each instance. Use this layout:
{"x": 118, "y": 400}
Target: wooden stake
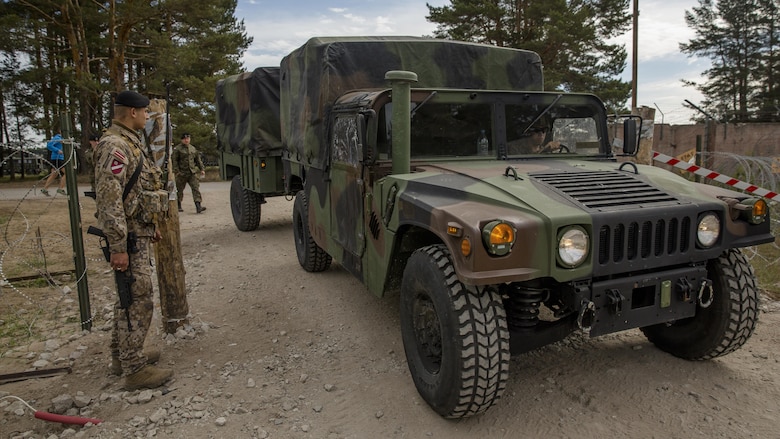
{"x": 170, "y": 272}
{"x": 167, "y": 252}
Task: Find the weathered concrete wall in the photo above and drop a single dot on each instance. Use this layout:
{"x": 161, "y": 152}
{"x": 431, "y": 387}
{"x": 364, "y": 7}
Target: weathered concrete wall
{"x": 756, "y": 140}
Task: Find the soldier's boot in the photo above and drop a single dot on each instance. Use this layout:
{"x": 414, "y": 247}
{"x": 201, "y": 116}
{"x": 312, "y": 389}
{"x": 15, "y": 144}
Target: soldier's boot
{"x": 152, "y": 357}
{"x": 149, "y": 377}
{"x": 198, "y": 207}
{"x": 179, "y": 203}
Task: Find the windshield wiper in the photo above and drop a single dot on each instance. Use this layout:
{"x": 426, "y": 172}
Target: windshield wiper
{"x": 546, "y": 110}
{"x": 424, "y": 101}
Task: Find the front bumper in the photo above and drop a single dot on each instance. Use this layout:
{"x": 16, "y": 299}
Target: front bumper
{"x": 644, "y": 300}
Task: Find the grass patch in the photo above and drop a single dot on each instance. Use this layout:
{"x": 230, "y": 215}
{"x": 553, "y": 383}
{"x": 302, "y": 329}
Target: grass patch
{"x": 16, "y": 329}
{"x": 18, "y": 178}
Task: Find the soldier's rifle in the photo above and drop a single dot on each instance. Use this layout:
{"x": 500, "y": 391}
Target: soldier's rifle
{"x": 124, "y": 279}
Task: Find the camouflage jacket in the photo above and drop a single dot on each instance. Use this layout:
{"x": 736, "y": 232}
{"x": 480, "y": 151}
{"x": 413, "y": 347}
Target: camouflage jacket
{"x": 186, "y": 160}
{"x": 117, "y": 156}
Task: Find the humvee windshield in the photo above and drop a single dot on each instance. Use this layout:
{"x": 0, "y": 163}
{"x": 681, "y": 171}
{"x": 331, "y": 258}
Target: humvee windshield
{"x": 500, "y": 124}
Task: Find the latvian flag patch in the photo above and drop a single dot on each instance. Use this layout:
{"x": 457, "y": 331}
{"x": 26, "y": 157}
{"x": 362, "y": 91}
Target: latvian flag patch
{"x": 117, "y": 166}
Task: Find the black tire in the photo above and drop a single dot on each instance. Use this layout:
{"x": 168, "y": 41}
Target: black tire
{"x": 245, "y": 206}
{"x": 455, "y": 338}
{"x": 311, "y": 256}
{"x": 726, "y": 324}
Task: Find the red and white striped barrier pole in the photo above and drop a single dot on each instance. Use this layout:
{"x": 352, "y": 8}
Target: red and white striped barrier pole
{"x": 712, "y": 175}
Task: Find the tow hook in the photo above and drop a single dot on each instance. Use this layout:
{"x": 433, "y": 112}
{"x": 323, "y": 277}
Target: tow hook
{"x": 587, "y": 315}
{"x": 615, "y": 301}
{"x": 705, "y": 293}
{"x": 684, "y": 287}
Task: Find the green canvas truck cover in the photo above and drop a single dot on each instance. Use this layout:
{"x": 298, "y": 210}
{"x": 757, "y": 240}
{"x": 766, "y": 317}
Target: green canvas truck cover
{"x": 248, "y": 113}
{"x": 316, "y": 74}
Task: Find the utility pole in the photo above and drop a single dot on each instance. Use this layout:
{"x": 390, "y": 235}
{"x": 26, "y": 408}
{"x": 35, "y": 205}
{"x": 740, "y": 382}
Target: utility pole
{"x": 635, "y": 57}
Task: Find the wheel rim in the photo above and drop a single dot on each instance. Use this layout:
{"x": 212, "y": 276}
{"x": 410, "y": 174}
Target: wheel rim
{"x": 427, "y": 333}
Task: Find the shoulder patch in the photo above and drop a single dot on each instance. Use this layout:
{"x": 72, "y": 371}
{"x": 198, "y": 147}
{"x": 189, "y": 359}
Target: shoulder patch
{"x": 116, "y": 166}
{"x": 118, "y": 154}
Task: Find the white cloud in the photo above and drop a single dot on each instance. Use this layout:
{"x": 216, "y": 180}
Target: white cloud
{"x": 662, "y": 28}
{"x": 278, "y": 31}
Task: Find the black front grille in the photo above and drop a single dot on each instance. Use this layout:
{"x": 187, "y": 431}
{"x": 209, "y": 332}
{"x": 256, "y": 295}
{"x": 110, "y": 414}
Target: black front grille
{"x": 636, "y": 226}
{"x": 606, "y": 189}
{"x": 644, "y": 240}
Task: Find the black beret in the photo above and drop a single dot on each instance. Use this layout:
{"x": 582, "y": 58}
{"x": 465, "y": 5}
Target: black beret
{"x": 131, "y": 99}
{"x": 94, "y": 137}
{"x": 185, "y": 135}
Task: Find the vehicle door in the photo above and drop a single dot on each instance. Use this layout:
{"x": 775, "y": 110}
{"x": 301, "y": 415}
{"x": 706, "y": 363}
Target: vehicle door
{"x": 346, "y": 183}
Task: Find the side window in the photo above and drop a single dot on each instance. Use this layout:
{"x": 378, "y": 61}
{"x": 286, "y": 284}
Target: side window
{"x": 346, "y": 147}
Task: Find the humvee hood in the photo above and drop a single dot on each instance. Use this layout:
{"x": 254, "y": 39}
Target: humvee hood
{"x": 549, "y": 187}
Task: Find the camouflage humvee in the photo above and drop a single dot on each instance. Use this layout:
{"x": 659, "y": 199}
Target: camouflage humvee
{"x": 497, "y": 209}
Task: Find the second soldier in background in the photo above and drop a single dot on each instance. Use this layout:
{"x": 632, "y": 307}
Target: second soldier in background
{"x": 188, "y": 167}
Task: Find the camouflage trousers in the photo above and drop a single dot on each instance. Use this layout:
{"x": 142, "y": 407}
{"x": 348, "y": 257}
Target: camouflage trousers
{"x": 128, "y": 344}
{"x": 193, "y": 181}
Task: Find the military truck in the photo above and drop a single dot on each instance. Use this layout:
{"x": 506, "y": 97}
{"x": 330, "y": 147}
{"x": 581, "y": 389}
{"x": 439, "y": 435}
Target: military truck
{"x": 402, "y": 155}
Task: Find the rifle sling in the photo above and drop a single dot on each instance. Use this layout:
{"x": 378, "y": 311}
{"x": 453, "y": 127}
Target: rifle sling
{"x": 133, "y": 178}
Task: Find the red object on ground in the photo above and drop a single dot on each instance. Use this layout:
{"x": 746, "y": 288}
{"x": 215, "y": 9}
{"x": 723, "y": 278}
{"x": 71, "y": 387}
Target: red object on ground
{"x": 62, "y": 419}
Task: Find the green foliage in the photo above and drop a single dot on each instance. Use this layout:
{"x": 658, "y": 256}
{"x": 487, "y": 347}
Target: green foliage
{"x": 69, "y": 58}
{"x": 570, "y": 36}
{"x": 741, "y": 38}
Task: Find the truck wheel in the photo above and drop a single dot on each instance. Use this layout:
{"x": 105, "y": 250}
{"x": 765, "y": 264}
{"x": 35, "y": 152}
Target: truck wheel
{"x": 311, "y": 256}
{"x": 726, "y": 324}
{"x": 245, "y": 206}
{"x": 455, "y": 338}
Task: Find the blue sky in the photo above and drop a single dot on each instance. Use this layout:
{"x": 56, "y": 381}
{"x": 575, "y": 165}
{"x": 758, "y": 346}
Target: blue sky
{"x": 278, "y": 27}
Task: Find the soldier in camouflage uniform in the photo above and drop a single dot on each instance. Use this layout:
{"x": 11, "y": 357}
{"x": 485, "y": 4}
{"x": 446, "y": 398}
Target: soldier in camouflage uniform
{"x": 188, "y": 167}
{"x": 128, "y": 204}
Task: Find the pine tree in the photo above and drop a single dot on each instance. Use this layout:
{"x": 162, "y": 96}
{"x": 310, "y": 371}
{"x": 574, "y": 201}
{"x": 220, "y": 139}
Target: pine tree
{"x": 571, "y": 36}
{"x": 740, "y": 38}
{"x": 77, "y": 54}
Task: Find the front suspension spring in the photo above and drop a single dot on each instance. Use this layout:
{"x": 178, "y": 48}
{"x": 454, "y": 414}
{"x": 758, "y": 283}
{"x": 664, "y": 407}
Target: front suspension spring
{"x": 522, "y": 306}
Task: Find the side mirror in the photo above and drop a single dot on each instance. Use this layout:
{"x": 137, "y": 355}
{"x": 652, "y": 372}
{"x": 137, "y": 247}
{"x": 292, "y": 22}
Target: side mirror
{"x": 631, "y": 135}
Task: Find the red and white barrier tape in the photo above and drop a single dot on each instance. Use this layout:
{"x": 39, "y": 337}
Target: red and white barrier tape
{"x": 712, "y": 175}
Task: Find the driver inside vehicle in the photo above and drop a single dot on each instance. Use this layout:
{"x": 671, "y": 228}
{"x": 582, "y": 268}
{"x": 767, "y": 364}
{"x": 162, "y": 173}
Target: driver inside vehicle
{"x": 531, "y": 141}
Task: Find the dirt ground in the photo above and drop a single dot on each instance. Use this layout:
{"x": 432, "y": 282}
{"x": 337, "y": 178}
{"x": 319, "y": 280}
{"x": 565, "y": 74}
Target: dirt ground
{"x": 278, "y": 352}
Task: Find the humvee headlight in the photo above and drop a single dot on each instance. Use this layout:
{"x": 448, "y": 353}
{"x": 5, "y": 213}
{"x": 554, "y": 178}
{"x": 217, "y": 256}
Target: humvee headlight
{"x": 757, "y": 212}
{"x": 498, "y": 237}
{"x": 708, "y": 231}
{"x": 573, "y": 246}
